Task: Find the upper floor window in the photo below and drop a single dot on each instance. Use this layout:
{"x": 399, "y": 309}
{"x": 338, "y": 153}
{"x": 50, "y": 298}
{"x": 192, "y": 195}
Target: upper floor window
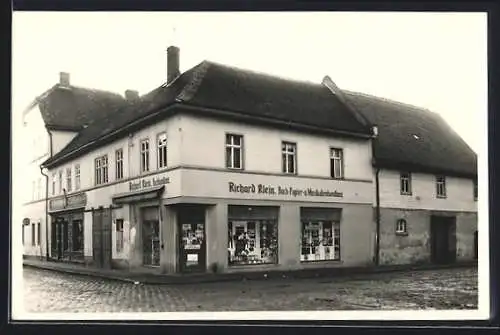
{"x": 77, "y": 176}
{"x": 162, "y": 150}
{"x": 101, "y": 170}
{"x": 234, "y": 147}
{"x": 475, "y": 189}
{"x": 405, "y": 183}
{"x": 145, "y": 155}
{"x": 68, "y": 179}
{"x": 336, "y": 163}
{"x": 441, "y": 186}
{"x": 60, "y": 181}
{"x": 39, "y": 188}
{"x": 54, "y": 178}
{"x": 33, "y": 236}
{"x": 39, "y": 232}
{"x": 119, "y": 164}
{"x": 289, "y": 157}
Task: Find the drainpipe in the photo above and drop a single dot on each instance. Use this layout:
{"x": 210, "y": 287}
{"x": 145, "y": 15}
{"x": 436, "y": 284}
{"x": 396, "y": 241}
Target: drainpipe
{"x": 377, "y": 197}
{"x": 46, "y": 214}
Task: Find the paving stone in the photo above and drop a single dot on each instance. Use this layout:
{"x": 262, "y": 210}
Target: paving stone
{"x": 48, "y": 291}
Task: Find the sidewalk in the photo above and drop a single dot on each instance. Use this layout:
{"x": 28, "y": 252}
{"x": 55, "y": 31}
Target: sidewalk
{"x": 158, "y": 279}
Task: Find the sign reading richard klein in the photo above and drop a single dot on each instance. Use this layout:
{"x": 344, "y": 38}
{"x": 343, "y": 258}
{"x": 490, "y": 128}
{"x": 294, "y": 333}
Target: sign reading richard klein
{"x": 272, "y": 190}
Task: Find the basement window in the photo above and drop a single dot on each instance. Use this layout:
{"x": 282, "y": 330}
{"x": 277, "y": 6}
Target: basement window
{"x": 401, "y": 227}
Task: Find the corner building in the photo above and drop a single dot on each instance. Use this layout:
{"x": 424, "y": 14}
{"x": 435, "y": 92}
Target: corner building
{"x": 222, "y": 170}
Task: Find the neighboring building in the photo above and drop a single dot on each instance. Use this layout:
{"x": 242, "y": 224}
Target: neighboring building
{"x": 427, "y": 177}
{"x": 223, "y": 169}
{"x": 50, "y": 122}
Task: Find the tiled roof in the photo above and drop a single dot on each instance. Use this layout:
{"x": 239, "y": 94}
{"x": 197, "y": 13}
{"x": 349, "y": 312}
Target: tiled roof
{"x": 220, "y": 87}
{"x": 414, "y": 138}
{"x": 74, "y": 107}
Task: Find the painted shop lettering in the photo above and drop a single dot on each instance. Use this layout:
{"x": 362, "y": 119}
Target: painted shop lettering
{"x": 144, "y": 183}
{"x": 282, "y": 190}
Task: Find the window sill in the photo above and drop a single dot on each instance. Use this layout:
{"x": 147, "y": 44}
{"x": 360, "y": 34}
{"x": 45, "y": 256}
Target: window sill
{"x": 234, "y": 169}
{"x": 323, "y": 261}
{"x": 401, "y": 234}
{"x": 407, "y": 194}
{"x": 441, "y": 197}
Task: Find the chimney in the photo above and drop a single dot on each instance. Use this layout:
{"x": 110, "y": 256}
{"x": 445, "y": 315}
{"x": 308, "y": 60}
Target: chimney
{"x": 172, "y": 63}
{"x": 64, "y": 79}
{"x": 131, "y": 95}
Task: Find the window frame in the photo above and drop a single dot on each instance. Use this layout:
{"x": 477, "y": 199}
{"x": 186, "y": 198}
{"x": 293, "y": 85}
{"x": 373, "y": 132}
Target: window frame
{"x": 404, "y": 223}
{"x": 438, "y": 195}
{"x": 401, "y": 179}
{"x": 33, "y": 234}
{"x": 77, "y": 177}
{"x": 119, "y": 164}
{"x": 332, "y": 162}
{"x": 144, "y": 153}
{"x": 69, "y": 176}
{"x": 233, "y": 147}
{"x": 60, "y": 180}
{"x": 159, "y": 162}
{"x": 336, "y": 233}
{"x": 285, "y": 154}
{"x": 119, "y": 241}
{"x": 101, "y": 175}
{"x": 39, "y": 232}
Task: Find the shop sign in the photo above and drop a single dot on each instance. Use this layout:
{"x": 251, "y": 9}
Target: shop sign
{"x": 148, "y": 182}
{"x": 67, "y": 202}
{"x": 282, "y": 190}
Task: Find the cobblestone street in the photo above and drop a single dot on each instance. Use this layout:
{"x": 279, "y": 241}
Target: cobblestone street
{"x": 47, "y": 291}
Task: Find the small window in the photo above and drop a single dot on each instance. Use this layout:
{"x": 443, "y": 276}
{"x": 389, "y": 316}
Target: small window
{"x": 441, "y": 186}
{"x": 405, "y": 183}
{"x": 475, "y": 190}
{"x": 101, "y": 170}
{"x": 33, "y": 236}
{"x": 401, "y": 227}
{"x": 289, "y": 157}
{"x": 145, "y": 155}
{"x": 68, "y": 179}
{"x": 77, "y": 176}
{"x": 119, "y": 235}
{"x": 39, "y": 232}
{"x": 119, "y": 164}
{"x": 336, "y": 163}
{"x": 234, "y": 151}
{"x": 162, "y": 150}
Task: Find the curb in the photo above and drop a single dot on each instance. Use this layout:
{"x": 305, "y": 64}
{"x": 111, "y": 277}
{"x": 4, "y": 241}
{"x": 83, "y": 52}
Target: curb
{"x": 354, "y": 273}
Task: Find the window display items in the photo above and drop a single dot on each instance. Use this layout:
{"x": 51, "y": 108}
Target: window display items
{"x": 320, "y": 241}
{"x": 253, "y": 242}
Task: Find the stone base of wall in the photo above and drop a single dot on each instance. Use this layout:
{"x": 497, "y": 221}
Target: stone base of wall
{"x": 120, "y": 264}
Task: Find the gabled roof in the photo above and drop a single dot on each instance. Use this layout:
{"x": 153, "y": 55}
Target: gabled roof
{"x": 71, "y": 108}
{"x": 210, "y": 87}
{"x": 414, "y": 138}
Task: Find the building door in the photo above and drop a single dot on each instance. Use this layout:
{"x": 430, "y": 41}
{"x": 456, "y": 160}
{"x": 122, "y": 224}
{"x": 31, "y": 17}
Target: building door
{"x": 101, "y": 237}
{"x": 150, "y": 236}
{"x": 443, "y": 239}
{"x": 192, "y": 253}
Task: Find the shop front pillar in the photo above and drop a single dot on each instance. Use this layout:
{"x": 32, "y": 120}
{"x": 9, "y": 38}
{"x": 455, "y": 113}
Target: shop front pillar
{"x": 289, "y": 236}
{"x": 216, "y": 237}
{"x": 169, "y": 244}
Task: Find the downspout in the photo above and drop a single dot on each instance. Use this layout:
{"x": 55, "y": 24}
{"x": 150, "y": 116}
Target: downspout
{"x": 46, "y": 213}
{"x": 377, "y": 199}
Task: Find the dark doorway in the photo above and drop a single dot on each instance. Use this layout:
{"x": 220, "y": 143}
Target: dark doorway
{"x": 476, "y": 247}
{"x": 57, "y": 246}
{"x": 192, "y": 245}
{"x": 150, "y": 236}
{"x": 101, "y": 237}
{"x": 443, "y": 239}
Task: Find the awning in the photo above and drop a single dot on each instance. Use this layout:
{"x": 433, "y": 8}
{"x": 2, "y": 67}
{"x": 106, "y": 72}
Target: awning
{"x": 137, "y": 196}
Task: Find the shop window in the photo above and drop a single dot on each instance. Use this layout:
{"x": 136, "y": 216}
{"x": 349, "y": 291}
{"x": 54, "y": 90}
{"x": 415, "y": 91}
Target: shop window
{"x": 33, "y": 240}
{"x": 119, "y": 235}
{"x": 39, "y": 232}
{"x": 289, "y": 157}
{"x": 68, "y": 180}
{"x": 401, "y": 227}
{"x": 234, "y": 151}
{"x": 441, "y": 186}
{"x": 162, "y": 150}
{"x": 405, "y": 183}
{"x": 65, "y": 237}
{"x": 77, "y": 235}
{"x": 119, "y": 164}
{"x": 145, "y": 155}
{"x": 77, "y": 176}
{"x": 336, "y": 163}
{"x": 253, "y": 242}
{"x": 320, "y": 241}
{"x": 101, "y": 170}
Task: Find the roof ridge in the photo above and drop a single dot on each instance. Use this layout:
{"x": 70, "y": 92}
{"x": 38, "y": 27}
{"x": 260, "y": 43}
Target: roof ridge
{"x": 192, "y": 86}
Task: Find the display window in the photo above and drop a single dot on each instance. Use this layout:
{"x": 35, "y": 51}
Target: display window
{"x": 253, "y": 242}
{"x": 320, "y": 241}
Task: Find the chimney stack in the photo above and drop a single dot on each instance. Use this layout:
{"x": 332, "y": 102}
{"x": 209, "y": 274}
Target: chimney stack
{"x": 64, "y": 79}
{"x": 131, "y": 95}
{"x": 172, "y": 63}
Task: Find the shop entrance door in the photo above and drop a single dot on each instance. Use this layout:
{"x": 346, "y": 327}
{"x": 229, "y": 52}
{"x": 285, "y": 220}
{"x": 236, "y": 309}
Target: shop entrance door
{"x": 443, "y": 239}
{"x": 101, "y": 237}
{"x": 57, "y": 237}
{"x": 192, "y": 253}
{"x": 151, "y": 243}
